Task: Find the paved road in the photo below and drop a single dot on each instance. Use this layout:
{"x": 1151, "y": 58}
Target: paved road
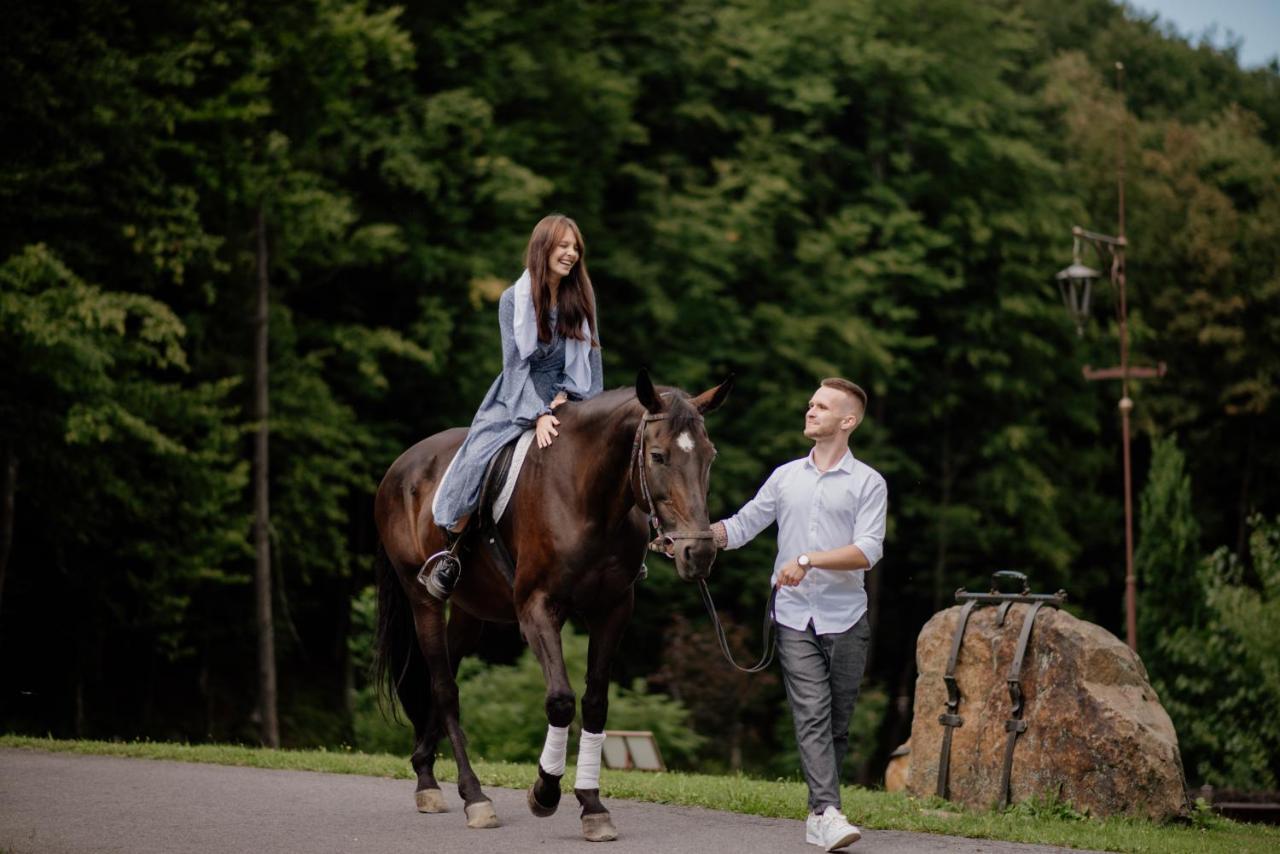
{"x": 52, "y": 803}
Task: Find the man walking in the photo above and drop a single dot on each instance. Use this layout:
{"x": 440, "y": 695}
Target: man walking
{"x": 830, "y": 509}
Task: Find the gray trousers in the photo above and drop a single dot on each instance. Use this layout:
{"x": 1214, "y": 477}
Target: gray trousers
{"x": 822, "y": 674}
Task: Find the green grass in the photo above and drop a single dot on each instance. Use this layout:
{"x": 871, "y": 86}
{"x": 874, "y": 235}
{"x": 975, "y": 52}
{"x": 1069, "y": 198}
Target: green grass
{"x": 1041, "y": 822}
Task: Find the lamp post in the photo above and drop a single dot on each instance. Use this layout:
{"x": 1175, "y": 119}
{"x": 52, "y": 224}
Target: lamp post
{"x": 1076, "y": 284}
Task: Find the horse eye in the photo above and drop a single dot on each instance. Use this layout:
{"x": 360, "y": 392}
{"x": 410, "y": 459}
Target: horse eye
{"x": 658, "y": 457}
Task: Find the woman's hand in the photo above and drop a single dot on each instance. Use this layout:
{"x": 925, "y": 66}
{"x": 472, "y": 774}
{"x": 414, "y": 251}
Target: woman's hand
{"x": 559, "y": 399}
{"x": 545, "y": 429}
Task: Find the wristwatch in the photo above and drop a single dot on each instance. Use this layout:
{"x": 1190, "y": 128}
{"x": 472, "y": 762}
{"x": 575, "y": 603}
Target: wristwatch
{"x": 804, "y": 561}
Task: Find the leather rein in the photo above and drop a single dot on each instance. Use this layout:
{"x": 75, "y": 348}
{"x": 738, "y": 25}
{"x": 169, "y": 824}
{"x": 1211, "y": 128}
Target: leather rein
{"x": 663, "y": 540}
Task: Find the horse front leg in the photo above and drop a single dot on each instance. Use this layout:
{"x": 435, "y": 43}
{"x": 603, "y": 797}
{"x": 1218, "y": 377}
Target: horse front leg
{"x": 462, "y": 633}
{"x": 605, "y": 633}
{"x": 428, "y": 616}
{"x": 541, "y": 628}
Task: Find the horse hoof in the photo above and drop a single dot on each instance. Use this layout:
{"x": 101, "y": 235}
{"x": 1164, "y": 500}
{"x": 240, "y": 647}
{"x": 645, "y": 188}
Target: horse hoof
{"x": 538, "y": 809}
{"x": 481, "y": 815}
{"x": 598, "y": 827}
{"x": 430, "y": 800}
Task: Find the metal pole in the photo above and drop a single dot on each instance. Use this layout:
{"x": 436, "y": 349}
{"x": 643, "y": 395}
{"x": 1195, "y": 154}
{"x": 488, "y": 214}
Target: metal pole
{"x": 1120, "y": 144}
{"x": 269, "y": 725}
{"x": 1126, "y": 403}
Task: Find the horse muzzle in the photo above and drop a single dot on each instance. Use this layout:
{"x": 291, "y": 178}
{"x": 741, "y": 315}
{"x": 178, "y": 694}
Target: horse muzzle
{"x": 694, "y": 552}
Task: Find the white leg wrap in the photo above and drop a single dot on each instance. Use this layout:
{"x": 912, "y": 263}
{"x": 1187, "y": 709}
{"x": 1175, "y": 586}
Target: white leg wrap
{"x": 589, "y": 747}
{"x": 554, "y": 750}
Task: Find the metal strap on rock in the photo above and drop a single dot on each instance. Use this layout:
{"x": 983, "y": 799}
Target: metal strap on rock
{"x": 661, "y": 539}
{"x": 951, "y": 717}
{"x": 1015, "y": 724}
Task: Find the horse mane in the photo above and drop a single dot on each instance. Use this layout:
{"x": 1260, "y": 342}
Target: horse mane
{"x": 682, "y": 414}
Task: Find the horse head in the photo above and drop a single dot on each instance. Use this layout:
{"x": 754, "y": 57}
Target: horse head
{"x": 672, "y": 471}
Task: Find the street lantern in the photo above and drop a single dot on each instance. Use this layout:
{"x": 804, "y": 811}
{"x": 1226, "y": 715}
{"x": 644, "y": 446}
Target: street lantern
{"x": 1076, "y": 285}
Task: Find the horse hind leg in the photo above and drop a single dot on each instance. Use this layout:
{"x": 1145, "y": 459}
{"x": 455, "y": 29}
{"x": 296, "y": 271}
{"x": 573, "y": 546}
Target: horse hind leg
{"x": 403, "y": 669}
{"x": 413, "y": 686}
{"x": 429, "y": 619}
{"x": 427, "y": 797}
{"x": 463, "y": 633}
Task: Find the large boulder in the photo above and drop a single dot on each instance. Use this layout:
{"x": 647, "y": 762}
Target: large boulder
{"x": 1097, "y": 736}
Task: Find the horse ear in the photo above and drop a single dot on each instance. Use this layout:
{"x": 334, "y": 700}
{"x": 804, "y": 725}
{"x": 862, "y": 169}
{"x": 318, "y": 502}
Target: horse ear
{"x": 646, "y": 394}
{"x": 710, "y": 400}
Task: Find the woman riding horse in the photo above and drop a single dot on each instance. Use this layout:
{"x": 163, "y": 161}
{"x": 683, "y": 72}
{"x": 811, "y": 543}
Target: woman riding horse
{"x": 576, "y": 528}
{"x": 550, "y": 354}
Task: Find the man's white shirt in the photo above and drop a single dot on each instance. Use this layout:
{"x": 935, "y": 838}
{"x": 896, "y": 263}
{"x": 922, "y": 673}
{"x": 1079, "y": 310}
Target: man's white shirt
{"x": 818, "y": 511}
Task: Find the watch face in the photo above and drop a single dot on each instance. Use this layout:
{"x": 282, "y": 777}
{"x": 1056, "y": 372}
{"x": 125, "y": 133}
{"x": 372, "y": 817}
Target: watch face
{"x": 804, "y": 560}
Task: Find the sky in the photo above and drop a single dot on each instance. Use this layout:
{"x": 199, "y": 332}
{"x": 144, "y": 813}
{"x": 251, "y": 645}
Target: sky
{"x": 1256, "y": 21}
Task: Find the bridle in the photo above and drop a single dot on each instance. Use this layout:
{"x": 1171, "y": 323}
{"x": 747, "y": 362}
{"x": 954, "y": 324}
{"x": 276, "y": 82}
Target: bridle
{"x": 639, "y": 467}
{"x": 664, "y": 540}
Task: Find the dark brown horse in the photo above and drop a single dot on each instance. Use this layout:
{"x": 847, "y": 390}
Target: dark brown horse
{"x": 576, "y": 528}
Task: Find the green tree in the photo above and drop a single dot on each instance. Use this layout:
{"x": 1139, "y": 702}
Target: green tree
{"x": 111, "y": 449}
{"x": 298, "y": 97}
{"x": 1223, "y": 688}
{"x": 1168, "y": 553}
{"x": 1203, "y": 190}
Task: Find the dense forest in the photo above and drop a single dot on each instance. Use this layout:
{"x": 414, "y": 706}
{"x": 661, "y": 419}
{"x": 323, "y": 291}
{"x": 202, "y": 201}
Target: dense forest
{"x": 782, "y": 189}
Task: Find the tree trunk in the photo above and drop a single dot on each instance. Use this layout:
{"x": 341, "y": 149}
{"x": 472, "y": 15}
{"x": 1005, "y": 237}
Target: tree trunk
{"x": 735, "y": 746}
{"x": 270, "y": 726}
{"x": 1242, "y": 504}
{"x": 79, "y": 724}
{"x": 342, "y": 647}
{"x": 8, "y": 489}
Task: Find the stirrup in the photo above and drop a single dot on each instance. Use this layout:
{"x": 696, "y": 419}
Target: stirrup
{"x": 439, "y": 573}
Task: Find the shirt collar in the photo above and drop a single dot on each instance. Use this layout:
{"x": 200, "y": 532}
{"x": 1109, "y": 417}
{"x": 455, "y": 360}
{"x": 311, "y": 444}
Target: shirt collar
{"x": 845, "y": 465}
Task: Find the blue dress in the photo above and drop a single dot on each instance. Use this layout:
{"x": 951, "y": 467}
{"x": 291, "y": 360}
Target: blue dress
{"x": 522, "y": 392}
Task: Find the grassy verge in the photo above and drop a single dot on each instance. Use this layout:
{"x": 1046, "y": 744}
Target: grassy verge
{"x": 1044, "y": 823}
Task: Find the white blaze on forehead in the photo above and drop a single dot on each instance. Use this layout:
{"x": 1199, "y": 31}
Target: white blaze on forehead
{"x": 684, "y": 441}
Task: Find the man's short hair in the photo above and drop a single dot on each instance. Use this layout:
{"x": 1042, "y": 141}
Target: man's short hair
{"x": 851, "y": 388}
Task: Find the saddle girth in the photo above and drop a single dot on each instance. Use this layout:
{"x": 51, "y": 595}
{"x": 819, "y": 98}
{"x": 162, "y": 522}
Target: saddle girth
{"x": 486, "y": 527}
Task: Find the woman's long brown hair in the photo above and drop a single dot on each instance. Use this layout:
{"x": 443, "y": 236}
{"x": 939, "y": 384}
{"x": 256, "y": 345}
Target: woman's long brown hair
{"x": 576, "y": 297}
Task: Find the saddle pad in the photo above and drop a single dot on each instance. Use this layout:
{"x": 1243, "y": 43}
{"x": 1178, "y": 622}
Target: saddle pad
{"x": 509, "y": 485}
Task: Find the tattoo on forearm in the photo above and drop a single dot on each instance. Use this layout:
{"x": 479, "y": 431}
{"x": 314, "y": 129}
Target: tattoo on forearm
{"x": 719, "y": 535}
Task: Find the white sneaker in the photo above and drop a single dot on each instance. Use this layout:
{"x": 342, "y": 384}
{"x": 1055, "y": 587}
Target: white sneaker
{"x": 831, "y": 830}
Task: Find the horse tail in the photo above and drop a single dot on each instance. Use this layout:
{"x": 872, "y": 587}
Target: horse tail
{"x": 400, "y": 671}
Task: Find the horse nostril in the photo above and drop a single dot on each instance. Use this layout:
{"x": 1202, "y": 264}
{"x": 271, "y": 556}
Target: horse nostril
{"x": 686, "y": 551}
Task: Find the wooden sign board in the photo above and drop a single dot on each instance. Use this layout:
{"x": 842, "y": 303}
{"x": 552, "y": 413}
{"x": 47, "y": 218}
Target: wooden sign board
{"x": 635, "y": 749}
